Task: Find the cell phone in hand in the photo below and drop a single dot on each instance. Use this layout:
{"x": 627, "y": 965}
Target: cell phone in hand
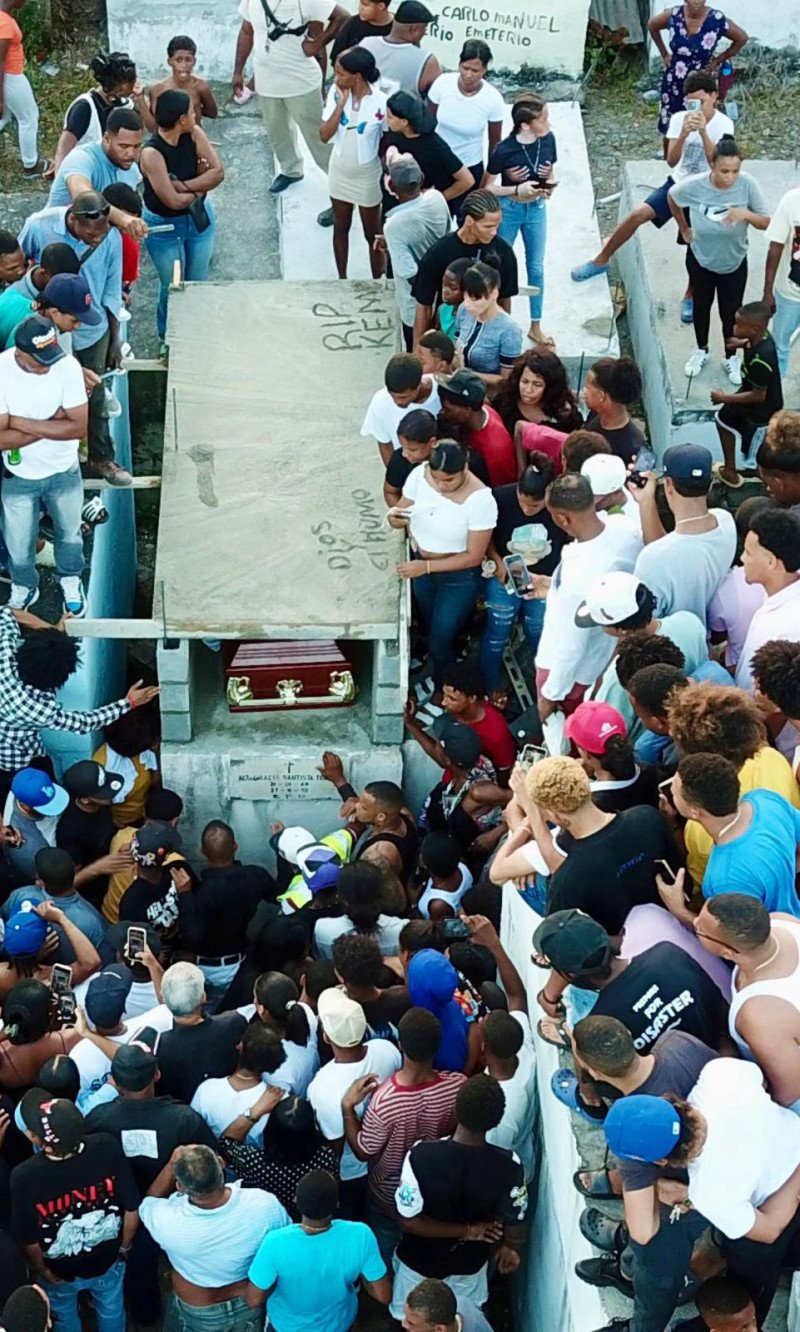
{"x": 645, "y": 461}
{"x": 455, "y": 931}
{"x": 665, "y": 788}
{"x": 693, "y": 105}
{"x": 60, "y": 978}
{"x": 518, "y": 573}
{"x": 67, "y": 1008}
{"x": 665, "y": 870}
{"x": 531, "y": 754}
{"x": 136, "y": 941}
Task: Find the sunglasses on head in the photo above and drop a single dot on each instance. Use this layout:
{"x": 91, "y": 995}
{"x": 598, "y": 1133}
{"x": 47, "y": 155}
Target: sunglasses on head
{"x": 94, "y": 214}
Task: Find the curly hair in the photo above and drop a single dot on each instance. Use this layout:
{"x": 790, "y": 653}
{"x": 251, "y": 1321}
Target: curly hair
{"x": 557, "y": 401}
{"x": 559, "y": 784}
{"x": 780, "y": 451}
{"x": 639, "y": 649}
{"x": 716, "y": 719}
{"x": 776, "y": 671}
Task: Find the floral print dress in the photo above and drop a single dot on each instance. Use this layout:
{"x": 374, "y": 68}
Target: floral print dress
{"x": 689, "y": 52}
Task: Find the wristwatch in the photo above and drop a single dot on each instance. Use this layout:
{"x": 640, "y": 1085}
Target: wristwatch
{"x": 247, "y": 1115}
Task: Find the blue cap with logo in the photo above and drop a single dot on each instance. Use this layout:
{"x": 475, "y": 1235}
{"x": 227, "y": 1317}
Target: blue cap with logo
{"x": 37, "y": 789}
{"x": 688, "y": 462}
{"x": 69, "y": 292}
{"x": 642, "y": 1128}
{"x": 25, "y": 932}
{"x": 38, "y": 338}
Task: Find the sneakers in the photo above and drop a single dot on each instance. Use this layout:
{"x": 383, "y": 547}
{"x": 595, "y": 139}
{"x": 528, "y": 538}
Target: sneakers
{"x": 588, "y": 270}
{"x": 603, "y": 1272}
{"x": 695, "y": 363}
{"x": 22, "y": 598}
{"x": 74, "y": 597}
{"x": 733, "y": 369}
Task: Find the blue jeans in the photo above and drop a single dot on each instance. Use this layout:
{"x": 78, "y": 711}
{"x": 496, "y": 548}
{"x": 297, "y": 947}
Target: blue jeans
{"x": 192, "y": 247}
{"x": 227, "y": 1316}
{"x": 531, "y": 220}
{"x": 784, "y": 323}
{"x": 106, "y": 1293}
{"x": 502, "y": 612}
{"x": 63, "y": 497}
{"x": 445, "y": 602}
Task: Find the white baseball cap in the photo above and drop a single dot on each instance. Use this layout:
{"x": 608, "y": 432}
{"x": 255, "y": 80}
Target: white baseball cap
{"x": 342, "y": 1019}
{"x": 605, "y": 473}
{"x": 610, "y": 600}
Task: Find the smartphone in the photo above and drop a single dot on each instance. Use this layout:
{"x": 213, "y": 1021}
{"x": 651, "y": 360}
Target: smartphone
{"x": 693, "y": 105}
{"x": 645, "y": 461}
{"x": 666, "y": 871}
{"x": 547, "y": 184}
{"x": 61, "y": 978}
{"x": 136, "y": 941}
{"x": 455, "y": 931}
{"x": 67, "y": 1008}
{"x": 666, "y": 790}
{"x": 531, "y": 754}
{"x": 518, "y": 573}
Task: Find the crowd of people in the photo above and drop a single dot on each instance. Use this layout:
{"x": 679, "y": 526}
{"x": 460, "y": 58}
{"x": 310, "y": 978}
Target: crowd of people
{"x": 284, "y": 1087}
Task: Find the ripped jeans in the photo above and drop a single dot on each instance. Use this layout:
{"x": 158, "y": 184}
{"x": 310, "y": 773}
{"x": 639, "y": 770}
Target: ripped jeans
{"x": 502, "y": 612}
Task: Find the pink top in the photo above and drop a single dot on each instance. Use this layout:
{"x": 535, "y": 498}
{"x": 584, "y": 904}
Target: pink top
{"x": 648, "y": 925}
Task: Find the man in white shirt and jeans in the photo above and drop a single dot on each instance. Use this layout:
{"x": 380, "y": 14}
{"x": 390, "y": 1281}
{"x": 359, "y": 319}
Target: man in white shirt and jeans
{"x": 284, "y": 38}
{"x": 43, "y": 416}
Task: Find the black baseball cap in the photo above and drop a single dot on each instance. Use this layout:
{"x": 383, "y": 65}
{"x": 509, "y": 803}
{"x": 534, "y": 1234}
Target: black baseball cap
{"x": 461, "y": 744}
{"x": 55, "y": 1120}
{"x": 573, "y": 943}
{"x": 39, "y": 338}
{"x": 464, "y": 386}
{"x": 135, "y": 1065}
{"x": 153, "y": 843}
{"x": 688, "y": 462}
{"x": 412, "y": 11}
{"x": 90, "y": 780}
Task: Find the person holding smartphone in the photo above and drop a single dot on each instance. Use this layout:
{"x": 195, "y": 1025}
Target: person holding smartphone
{"x": 524, "y": 161}
{"x": 180, "y": 168}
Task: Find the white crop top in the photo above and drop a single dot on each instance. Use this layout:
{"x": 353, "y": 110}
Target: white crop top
{"x": 440, "y": 525}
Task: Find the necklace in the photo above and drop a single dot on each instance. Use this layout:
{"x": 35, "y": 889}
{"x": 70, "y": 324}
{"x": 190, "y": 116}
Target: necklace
{"x": 769, "y": 959}
{"x": 314, "y": 1230}
{"x": 701, "y": 517}
{"x": 728, "y": 827}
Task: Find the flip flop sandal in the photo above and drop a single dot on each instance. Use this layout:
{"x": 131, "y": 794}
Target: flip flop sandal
{"x": 732, "y": 485}
{"x": 548, "y": 1040}
{"x": 564, "y": 1086}
{"x": 599, "y": 1186}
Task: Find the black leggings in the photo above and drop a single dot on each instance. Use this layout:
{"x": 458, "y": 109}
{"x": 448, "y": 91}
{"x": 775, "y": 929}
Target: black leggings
{"x": 729, "y": 291}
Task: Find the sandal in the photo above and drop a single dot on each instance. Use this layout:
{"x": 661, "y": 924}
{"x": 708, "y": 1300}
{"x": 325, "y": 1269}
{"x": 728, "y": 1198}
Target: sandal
{"x": 564, "y": 1086}
{"x": 732, "y": 485}
{"x": 599, "y": 1185}
{"x": 559, "y": 1027}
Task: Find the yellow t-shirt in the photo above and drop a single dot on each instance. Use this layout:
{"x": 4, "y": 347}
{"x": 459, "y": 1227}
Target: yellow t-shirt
{"x": 131, "y": 809}
{"x": 767, "y": 770}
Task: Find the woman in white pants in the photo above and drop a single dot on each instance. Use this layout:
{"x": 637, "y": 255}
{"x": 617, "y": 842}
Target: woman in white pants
{"x": 16, "y": 94}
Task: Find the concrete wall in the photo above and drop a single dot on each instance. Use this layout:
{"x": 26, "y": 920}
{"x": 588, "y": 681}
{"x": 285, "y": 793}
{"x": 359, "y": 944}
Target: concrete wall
{"x": 776, "y": 23}
{"x": 549, "y": 34}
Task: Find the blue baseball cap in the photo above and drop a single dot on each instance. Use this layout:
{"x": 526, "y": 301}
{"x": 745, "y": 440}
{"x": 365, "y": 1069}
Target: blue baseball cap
{"x": 25, "y": 934}
{"x": 38, "y": 338}
{"x": 642, "y": 1128}
{"x": 106, "y": 997}
{"x": 36, "y": 788}
{"x": 69, "y": 292}
{"x": 688, "y": 462}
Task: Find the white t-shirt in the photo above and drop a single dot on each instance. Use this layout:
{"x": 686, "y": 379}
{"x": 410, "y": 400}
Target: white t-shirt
{"x": 777, "y": 618}
{"x": 213, "y": 1246}
{"x": 93, "y": 1065}
{"x": 301, "y": 1062}
{"x": 326, "y": 932}
{"x": 461, "y": 121}
{"x": 431, "y": 894}
{"x": 572, "y": 655}
{"x": 280, "y": 66}
{"x": 784, "y": 229}
{"x": 384, "y": 416}
{"x": 515, "y": 1130}
{"x": 219, "y": 1104}
{"x": 382, "y": 1059}
{"x": 752, "y": 1145}
{"x": 438, "y": 523}
{"x": 683, "y": 569}
{"x": 39, "y": 397}
{"x": 693, "y": 160}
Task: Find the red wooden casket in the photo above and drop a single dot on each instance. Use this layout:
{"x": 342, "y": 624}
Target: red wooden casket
{"x": 273, "y": 677}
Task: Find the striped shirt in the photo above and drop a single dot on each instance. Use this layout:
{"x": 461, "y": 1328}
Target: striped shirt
{"x": 395, "y": 1119}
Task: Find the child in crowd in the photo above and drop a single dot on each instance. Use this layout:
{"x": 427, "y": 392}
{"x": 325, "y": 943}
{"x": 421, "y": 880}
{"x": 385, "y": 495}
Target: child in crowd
{"x": 743, "y": 413}
{"x": 120, "y": 195}
{"x": 437, "y": 353}
{"x": 448, "y": 878}
{"x": 452, "y": 295}
{"x": 182, "y": 58}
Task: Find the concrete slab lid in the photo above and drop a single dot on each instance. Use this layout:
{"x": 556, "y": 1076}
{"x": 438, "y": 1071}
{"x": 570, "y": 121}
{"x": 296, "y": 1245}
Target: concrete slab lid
{"x": 272, "y": 520}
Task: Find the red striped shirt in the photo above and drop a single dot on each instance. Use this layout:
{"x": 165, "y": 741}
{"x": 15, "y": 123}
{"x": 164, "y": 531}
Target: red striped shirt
{"x": 399, "y": 1116}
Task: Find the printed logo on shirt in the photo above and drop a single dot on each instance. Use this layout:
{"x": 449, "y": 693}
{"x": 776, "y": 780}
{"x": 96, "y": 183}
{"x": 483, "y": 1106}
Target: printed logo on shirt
{"x": 79, "y": 1220}
{"x": 140, "y": 1142}
{"x": 664, "y": 1016}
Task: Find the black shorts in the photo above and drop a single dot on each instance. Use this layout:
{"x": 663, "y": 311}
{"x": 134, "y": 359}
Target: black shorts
{"x": 659, "y": 203}
{"x": 734, "y": 419}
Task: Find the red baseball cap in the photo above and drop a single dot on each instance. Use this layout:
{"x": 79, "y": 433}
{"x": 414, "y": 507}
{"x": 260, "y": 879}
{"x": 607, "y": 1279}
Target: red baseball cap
{"x": 592, "y": 724}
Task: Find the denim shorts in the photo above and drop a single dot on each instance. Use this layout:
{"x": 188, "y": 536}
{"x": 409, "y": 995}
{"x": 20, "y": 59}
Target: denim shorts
{"x": 659, "y": 203}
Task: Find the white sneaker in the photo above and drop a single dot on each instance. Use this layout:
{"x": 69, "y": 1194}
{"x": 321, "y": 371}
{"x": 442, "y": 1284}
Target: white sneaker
{"x": 74, "y": 597}
{"x": 695, "y": 363}
{"x": 22, "y": 597}
{"x": 733, "y": 369}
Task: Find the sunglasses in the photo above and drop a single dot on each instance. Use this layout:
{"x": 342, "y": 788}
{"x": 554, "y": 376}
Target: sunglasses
{"x": 94, "y": 215}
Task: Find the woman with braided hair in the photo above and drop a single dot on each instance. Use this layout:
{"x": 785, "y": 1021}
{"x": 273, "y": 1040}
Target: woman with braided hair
{"x": 85, "y": 118}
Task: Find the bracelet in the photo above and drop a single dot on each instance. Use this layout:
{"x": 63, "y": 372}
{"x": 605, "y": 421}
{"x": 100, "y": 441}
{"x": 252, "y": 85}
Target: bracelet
{"x": 516, "y": 191}
{"x": 427, "y": 566}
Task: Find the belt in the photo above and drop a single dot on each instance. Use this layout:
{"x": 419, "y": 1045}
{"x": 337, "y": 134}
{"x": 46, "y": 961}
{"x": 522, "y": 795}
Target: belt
{"x": 226, "y": 961}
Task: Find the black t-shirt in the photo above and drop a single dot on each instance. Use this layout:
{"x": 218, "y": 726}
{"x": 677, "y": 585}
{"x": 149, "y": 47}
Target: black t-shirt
{"x": 384, "y": 1013}
{"x": 189, "y": 1055}
{"x": 510, "y": 517}
{"x": 625, "y": 442}
{"x": 426, "y": 287}
{"x": 435, "y": 159}
{"x": 661, "y": 989}
{"x": 155, "y": 903}
{"x": 87, "y": 837}
{"x": 149, "y": 1132}
{"x": 449, "y": 1181}
{"x": 534, "y": 159}
{"x": 398, "y": 468}
{"x": 215, "y": 914}
{"x": 351, "y": 33}
{"x": 760, "y": 371}
{"x": 507, "y": 407}
{"x": 74, "y": 1208}
{"x": 79, "y": 114}
{"x": 612, "y": 797}
{"x": 613, "y": 870}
